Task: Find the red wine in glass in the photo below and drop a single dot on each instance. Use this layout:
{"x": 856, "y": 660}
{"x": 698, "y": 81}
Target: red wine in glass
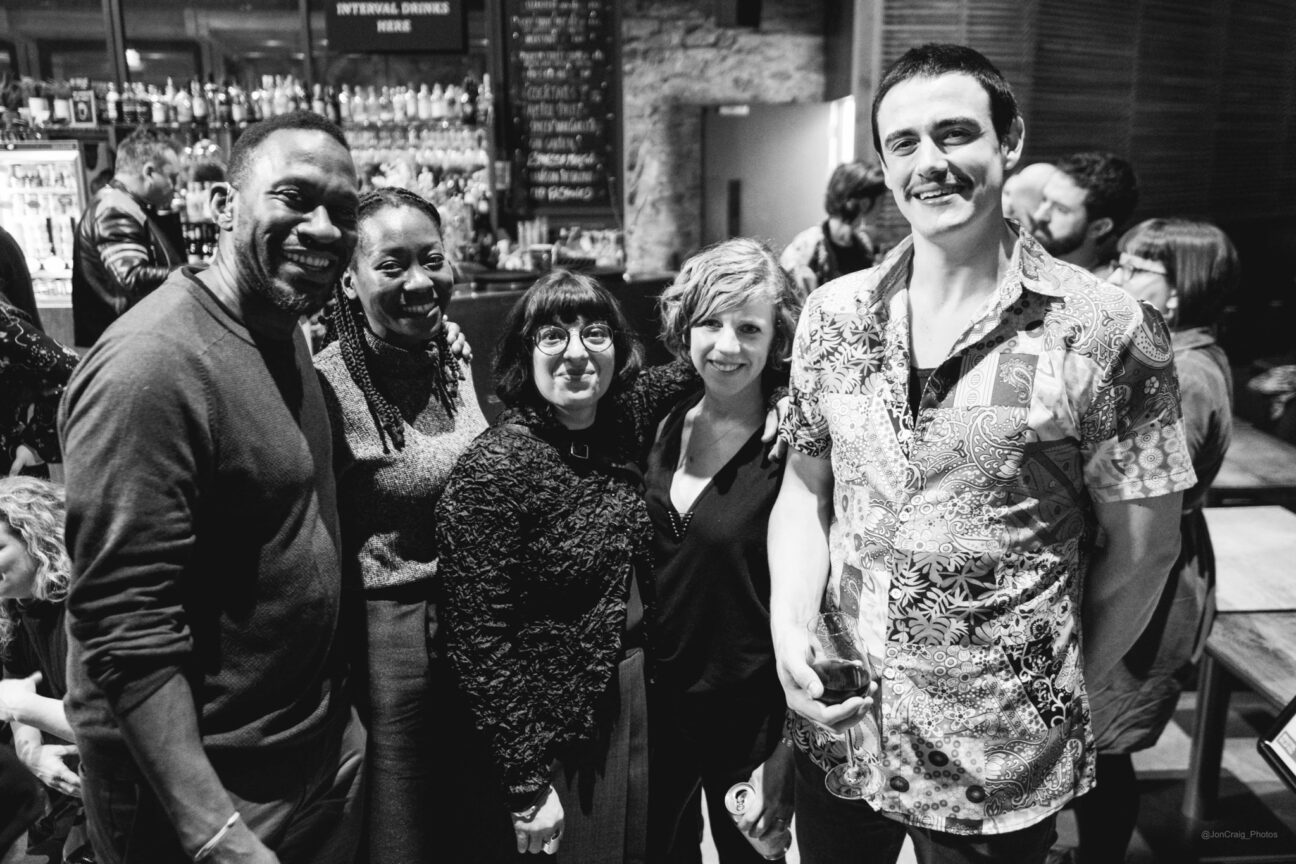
{"x": 841, "y": 662}
{"x": 841, "y": 678}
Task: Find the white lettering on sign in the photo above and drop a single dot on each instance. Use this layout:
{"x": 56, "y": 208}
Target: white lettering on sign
{"x": 425, "y": 8}
{"x": 367, "y": 9}
{"x": 395, "y": 25}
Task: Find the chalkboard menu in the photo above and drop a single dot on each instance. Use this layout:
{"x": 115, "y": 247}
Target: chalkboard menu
{"x": 562, "y": 91}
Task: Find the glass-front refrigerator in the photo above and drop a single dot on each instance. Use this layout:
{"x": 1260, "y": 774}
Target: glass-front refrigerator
{"x": 42, "y": 195}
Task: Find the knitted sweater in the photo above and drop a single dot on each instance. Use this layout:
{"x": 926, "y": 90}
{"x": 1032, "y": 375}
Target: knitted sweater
{"x": 387, "y": 500}
{"x": 539, "y": 542}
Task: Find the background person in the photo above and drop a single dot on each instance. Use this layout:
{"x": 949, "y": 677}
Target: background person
{"x": 122, "y": 251}
{"x": 1023, "y": 192}
{"x": 1185, "y": 269}
{"x": 15, "y": 279}
{"x": 544, "y": 540}
{"x": 34, "y": 371}
{"x": 1086, "y": 202}
{"x": 717, "y": 709}
{"x": 402, "y": 410}
{"x": 34, "y": 574}
{"x": 840, "y": 244}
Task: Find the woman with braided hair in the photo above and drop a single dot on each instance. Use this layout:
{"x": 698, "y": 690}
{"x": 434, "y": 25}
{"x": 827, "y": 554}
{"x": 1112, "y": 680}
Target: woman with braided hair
{"x": 402, "y": 410}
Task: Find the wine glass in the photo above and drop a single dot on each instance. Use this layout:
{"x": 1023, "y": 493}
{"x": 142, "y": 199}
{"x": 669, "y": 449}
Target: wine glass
{"x": 842, "y": 664}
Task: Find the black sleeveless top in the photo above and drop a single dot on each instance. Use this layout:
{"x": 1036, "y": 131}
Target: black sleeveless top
{"x": 711, "y": 628}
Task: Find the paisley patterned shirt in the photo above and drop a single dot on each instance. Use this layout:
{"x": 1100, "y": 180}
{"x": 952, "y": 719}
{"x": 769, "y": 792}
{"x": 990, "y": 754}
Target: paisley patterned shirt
{"x": 960, "y": 539}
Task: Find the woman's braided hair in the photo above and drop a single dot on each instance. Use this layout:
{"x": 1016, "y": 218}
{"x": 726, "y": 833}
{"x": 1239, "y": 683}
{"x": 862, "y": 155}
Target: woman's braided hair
{"x": 349, "y": 318}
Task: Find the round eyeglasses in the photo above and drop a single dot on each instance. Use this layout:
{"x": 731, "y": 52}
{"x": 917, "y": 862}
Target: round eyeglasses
{"x": 552, "y": 339}
{"x": 1129, "y": 265}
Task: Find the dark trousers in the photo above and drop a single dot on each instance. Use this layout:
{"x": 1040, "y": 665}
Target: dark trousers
{"x": 402, "y": 718}
{"x": 20, "y": 798}
{"x": 306, "y": 805}
{"x": 831, "y": 830}
{"x": 706, "y": 743}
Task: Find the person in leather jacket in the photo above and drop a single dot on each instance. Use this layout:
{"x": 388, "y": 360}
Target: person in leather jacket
{"x": 122, "y": 251}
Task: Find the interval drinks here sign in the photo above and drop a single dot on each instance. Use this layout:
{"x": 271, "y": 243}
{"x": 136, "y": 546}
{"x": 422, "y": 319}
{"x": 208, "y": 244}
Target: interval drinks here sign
{"x": 395, "y": 26}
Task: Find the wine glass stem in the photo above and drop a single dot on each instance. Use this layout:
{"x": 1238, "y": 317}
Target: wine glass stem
{"x": 852, "y": 756}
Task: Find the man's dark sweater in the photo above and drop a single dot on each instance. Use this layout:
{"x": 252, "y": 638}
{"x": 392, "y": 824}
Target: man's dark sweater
{"x": 202, "y": 524}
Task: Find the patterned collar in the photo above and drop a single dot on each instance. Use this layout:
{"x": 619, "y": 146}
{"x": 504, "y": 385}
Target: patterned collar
{"x": 1029, "y": 269}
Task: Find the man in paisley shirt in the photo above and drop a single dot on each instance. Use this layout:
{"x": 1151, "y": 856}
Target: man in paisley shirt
{"x": 987, "y": 457}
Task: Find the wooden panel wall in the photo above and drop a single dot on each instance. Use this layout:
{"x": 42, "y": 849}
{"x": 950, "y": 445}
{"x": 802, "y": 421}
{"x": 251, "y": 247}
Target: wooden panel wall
{"x": 1254, "y": 173}
{"x": 1198, "y": 95}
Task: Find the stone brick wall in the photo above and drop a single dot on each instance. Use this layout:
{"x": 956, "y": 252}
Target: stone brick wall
{"x": 676, "y": 60}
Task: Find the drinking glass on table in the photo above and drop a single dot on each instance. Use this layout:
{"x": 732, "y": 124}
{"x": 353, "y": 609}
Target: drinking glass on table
{"x": 841, "y": 661}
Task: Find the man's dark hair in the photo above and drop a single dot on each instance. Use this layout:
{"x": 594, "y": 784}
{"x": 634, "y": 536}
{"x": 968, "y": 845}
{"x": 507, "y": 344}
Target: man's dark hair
{"x": 143, "y": 147}
{"x": 935, "y": 59}
{"x": 250, "y": 140}
{"x": 853, "y": 189}
{"x": 560, "y": 297}
{"x": 1109, "y": 184}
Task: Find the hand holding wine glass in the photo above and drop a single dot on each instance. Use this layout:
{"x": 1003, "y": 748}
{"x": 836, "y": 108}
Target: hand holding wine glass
{"x": 841, "y": 661}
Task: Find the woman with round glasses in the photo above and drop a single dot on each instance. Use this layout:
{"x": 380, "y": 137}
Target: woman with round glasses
{"x": 402, "y": 409}
{"x": 544, "y": 540}
{"x": 1186, "y": 269}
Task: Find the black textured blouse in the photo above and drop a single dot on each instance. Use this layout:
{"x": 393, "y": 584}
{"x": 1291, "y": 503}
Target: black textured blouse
{"x": 540, "y": 530}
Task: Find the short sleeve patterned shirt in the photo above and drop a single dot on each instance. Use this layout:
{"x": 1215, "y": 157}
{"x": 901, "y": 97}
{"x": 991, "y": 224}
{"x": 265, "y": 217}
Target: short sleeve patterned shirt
{"x": 960, "y": 539}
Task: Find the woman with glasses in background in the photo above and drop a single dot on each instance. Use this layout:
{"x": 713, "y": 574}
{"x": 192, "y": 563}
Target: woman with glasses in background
{"x": 1186, "y": 269}
{"x": 544, "y": 540}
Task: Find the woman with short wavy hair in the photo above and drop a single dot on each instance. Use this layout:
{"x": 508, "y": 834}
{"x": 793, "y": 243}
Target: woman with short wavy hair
{"x": 716, "y": 704}
{"x": 34, "y": 575}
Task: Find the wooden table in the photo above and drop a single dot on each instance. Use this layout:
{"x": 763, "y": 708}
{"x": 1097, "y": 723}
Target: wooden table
{"x": 1258, "y": 469}
{"x": 1258, "y": 649}
{"x": 1255, "y": 558}
{"x": 1254, "y": 637}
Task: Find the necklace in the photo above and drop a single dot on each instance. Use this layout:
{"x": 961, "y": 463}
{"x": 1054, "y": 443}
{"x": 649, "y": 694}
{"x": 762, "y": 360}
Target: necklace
{"x": 694, "y": 451}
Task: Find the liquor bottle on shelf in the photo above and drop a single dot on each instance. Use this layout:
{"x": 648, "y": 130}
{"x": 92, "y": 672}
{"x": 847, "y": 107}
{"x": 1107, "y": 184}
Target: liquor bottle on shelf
{"x": 485, "y": 99}
{"x": 182, "y": 103}
{"x": 224, "y": 110}
{"x": 265, "y": 103}
{"x": 424, "y": 103}
{"x": 283, "y": 97}
{"x": 318, "y": 104}
{"x": 411, "y": 102}
{"x": 238, "y": 105}
{"x": 344, "y": 104}
{"x": 201, "y": 108}
{"x": 113, "y": 102}
{"x": 438, "y": 106}
{"x": 468, "y": 101}
{"x": 158, "y": 112}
